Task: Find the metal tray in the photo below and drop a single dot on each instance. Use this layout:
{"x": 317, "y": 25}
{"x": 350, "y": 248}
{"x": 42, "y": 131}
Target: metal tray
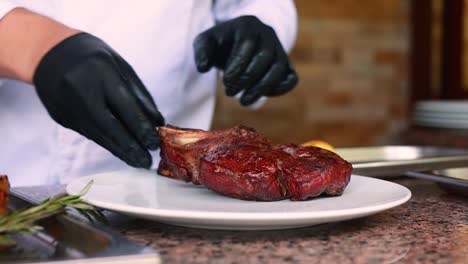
{"x": 390, "y": 161}
{"x": 453, "y": 180}
{"x": 71, "y": 238}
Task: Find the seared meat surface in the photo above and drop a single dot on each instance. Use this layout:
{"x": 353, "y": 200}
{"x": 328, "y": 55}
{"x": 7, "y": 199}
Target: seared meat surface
{"x": 240, "y": 163}
{"x": 4, "y": 190}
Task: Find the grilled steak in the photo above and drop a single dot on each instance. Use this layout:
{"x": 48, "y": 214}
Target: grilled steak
{"x": 240, "y": 163}
{"x": 4, "y": 190}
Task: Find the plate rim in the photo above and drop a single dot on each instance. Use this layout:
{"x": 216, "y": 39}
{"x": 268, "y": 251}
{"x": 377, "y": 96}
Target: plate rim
{"x": 244, "y": 216}
{"x": 443, "y": 105}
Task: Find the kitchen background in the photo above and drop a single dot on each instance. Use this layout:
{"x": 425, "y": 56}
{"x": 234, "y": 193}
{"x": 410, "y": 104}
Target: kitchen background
{"x": 352, "y": 57}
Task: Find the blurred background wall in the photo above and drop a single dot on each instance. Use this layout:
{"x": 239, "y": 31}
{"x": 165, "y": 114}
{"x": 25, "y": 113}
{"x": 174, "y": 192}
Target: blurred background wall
{"x": 352, "y": 60}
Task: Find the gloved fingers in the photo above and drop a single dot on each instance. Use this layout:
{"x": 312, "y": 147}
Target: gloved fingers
{"x": 148, "y": 105}
{"x": 142, "y": 95}
{"x": 270, "y": 81}
{"x": 124, "y": 105}
{"x": 238, "y": 61}
{"x": 240, "y": 57}
{"x": 111, "y": 134}
{"x": 286, "y": 85}
{"x": 204, "y": 47}
{"x": 258, "y": 66}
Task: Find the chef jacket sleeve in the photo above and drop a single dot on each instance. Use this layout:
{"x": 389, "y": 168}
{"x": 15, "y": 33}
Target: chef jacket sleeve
{"x": 5, "y": 7}
{"x": 281, "y": 15}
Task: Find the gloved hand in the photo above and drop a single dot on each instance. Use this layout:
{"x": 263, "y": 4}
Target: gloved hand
{"x": 86, "y": 86}
{"x": 250, "y": 55}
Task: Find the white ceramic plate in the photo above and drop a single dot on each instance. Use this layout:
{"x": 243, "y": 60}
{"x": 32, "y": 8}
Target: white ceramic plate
{"x": 441, "y": 115}
{"x": 458, "y": 106}
{"x": 441, "y": 122}
{"x": 145, "y": 194}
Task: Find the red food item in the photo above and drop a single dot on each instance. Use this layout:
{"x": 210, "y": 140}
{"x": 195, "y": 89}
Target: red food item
{"x": 4, "y": 190}
{"x": 245, "y": 172}
{"x": 181, "y": 149}
{"x": 240, "y": 163}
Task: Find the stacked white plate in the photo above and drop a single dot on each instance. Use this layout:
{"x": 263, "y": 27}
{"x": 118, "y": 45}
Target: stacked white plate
{"x": 441, "y": 114}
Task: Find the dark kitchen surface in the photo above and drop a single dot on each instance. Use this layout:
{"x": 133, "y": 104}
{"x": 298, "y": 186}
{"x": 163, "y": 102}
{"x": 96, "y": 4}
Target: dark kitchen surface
{"x": 430, "y": 228}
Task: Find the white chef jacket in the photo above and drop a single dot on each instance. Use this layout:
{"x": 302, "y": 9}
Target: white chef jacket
{"x": 155, "y": 37}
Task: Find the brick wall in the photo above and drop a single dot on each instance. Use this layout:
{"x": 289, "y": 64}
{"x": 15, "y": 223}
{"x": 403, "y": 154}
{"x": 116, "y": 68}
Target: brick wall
{"x": 351, "y": 56}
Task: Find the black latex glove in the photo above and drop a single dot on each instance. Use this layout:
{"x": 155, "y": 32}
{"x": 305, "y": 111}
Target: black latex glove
{"x": 86, "y": 86}
{"x": 251, "y": 57}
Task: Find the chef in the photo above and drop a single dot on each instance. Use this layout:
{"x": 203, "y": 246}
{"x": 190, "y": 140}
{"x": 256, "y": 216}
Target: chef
{"x": 85, "y": 84}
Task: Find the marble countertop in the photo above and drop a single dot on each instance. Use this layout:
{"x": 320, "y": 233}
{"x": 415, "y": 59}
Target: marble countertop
{"x": 430, "y": 228}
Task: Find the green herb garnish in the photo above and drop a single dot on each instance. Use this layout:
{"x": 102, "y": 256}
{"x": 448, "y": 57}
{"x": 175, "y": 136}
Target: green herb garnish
{"x": 24, "y": 221}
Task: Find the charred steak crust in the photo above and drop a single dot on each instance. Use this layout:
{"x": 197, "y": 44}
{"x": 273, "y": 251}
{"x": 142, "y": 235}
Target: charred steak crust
{"x": 181, "y": 149}
{"x": 243, "y": 171}
{"x": 240, "y": 163}
{"x": 4, "y": 191}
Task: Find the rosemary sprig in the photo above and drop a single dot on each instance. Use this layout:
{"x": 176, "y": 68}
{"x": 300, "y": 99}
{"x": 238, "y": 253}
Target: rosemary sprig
{"x": 23, "y": 221}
